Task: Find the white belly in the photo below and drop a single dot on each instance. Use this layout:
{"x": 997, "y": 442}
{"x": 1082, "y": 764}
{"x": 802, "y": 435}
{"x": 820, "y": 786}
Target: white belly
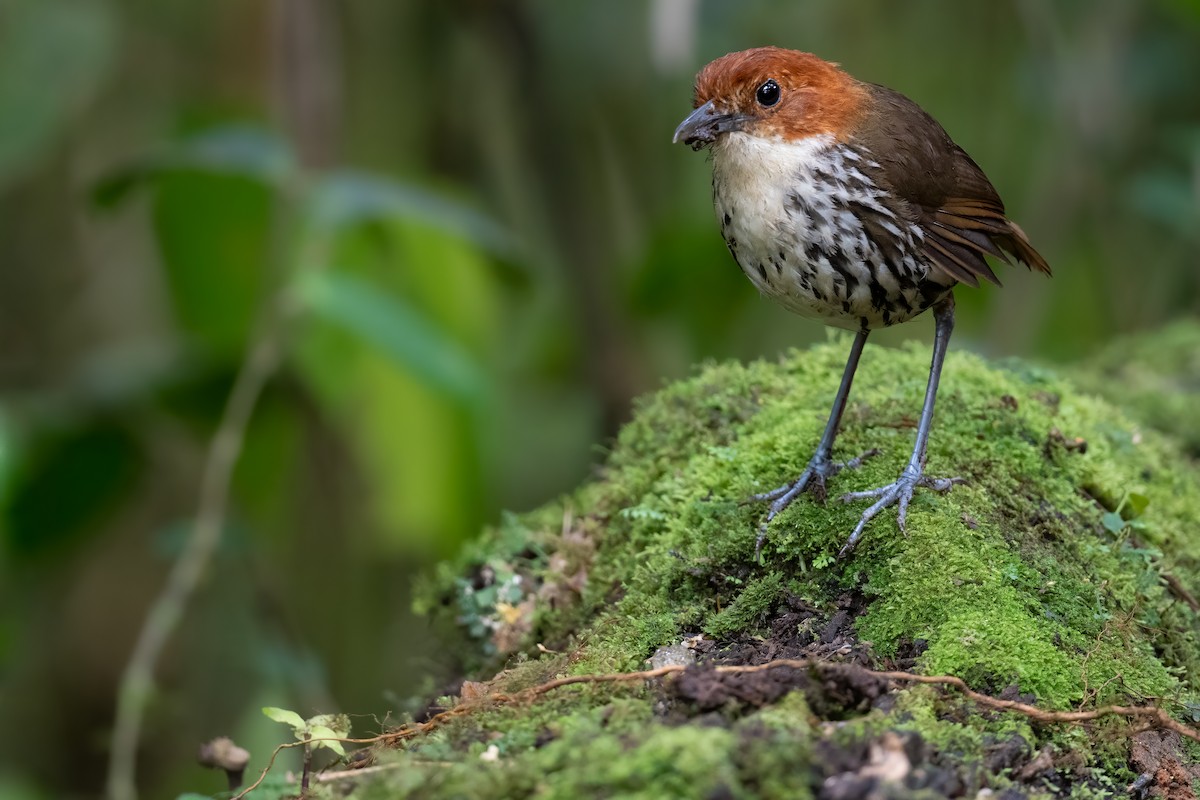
{"x": 793, "y": 217}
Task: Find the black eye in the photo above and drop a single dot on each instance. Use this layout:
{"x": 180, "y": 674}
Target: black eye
{"x": 768, "y": 93}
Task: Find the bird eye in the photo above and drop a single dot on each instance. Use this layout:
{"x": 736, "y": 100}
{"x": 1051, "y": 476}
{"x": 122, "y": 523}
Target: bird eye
{"x": 768, "y": 93}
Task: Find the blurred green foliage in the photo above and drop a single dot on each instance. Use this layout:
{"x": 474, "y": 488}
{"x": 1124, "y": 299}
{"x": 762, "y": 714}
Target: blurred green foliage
{"x": 54, "y": 57}
{"x": 491, "y": 246}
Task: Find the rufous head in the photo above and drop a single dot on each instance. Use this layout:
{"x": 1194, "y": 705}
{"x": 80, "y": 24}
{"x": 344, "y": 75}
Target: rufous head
{"x": 772, "y": 93}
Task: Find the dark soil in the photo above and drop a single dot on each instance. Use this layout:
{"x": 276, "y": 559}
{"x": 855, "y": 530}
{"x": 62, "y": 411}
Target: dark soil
{"x": 867, "y": 769}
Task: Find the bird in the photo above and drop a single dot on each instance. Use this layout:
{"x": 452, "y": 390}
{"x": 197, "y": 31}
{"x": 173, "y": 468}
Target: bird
{"x": 847, "y": 203}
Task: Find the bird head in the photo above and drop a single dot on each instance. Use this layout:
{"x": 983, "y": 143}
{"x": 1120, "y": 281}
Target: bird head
{"x": 772, "y": 93}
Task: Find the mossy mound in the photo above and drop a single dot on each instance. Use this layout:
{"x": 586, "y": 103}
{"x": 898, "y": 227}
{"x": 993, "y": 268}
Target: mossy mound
{"x": 1155, "y": 377}
{"x": 1063, "y": 572}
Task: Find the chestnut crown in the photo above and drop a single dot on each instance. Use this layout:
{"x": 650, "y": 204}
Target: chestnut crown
{"x": 773, "y": 93}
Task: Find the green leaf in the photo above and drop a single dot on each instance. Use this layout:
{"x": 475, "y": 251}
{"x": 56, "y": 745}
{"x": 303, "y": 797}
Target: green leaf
{"x": 286, "y": 717}
{"x": 232, "y": 151}
{"x": 1113, "y": 522}
{"x": 235, "y": 150}
{"x": 213, "y": 207}
{"x": 419, "y": 447}
{"x": 54, "y": 57}
{"x": 338, "y": 723}
{"x": 396, "y": 329}
{"x": 1137, "y": 504}
{"x": 823, "y": 560}
{"x": 346, "y": 199}
{"x": 327, "y": 738}
{"x": 213, "y": 231}
{"x": 67, "y": 483}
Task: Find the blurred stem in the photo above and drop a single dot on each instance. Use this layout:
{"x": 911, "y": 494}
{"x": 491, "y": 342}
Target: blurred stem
{"x": 307, "y": 85}
{"x": 137, "y": 682}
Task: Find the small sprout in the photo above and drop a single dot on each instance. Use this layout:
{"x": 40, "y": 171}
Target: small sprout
{"x": 323, "y": 730}
{"x": 323, "y": 736}
{"x": 328, "y": 728}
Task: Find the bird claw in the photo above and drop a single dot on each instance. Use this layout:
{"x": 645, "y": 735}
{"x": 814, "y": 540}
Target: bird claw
{"x": 813, "y": 479}
{"x": 898, "y": 494}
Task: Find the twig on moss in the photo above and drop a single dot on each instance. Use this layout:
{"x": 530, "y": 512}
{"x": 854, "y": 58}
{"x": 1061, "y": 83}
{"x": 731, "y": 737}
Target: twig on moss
{"x": 1152, "y": 716}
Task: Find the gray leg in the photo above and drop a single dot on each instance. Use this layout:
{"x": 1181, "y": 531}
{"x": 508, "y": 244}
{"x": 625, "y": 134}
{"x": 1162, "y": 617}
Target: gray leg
{"x": 900, "y": 493}
{"x": 820, "y": 467}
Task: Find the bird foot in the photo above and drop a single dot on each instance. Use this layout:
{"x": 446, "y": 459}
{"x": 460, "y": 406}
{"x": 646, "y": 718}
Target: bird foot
{"x": 812, "y": 480}
{"x": 898, "y": 494}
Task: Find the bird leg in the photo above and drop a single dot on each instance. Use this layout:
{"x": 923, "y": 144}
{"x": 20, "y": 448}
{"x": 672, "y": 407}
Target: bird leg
{"x": 900, "y": 493}
{"x": 821, "y": 466}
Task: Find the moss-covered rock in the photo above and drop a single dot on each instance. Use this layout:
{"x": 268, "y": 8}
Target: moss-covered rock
{"x": 1063, "y": 572}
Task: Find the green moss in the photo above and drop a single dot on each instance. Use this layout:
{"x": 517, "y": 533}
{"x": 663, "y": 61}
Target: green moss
{"x": 1009, "y": 578}
{"x": 750, "y": 608}
{"x": 1055, "y": 568}
{"x": 589, "y": 761}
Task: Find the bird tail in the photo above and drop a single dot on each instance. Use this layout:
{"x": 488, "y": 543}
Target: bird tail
{"x": 1018, "y": 244}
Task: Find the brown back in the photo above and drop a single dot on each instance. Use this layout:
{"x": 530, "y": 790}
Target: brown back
{"x": 936, "y": 185}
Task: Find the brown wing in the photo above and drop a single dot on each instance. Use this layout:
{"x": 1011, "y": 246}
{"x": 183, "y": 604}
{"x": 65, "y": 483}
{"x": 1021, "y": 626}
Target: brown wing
{"x": 939, "y": 187}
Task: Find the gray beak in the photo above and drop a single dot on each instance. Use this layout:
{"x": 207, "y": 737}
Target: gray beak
{"x": 704, "y": 125}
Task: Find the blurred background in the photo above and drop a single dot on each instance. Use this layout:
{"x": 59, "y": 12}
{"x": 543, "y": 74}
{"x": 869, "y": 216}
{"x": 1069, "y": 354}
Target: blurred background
{"x": 462, "y": 229}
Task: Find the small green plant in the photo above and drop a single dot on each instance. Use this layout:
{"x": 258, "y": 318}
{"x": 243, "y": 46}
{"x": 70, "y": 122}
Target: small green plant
{"x": 1132, "y": 504}
{"x": 323, "y": 730}
{"x": 823, "y": 560}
